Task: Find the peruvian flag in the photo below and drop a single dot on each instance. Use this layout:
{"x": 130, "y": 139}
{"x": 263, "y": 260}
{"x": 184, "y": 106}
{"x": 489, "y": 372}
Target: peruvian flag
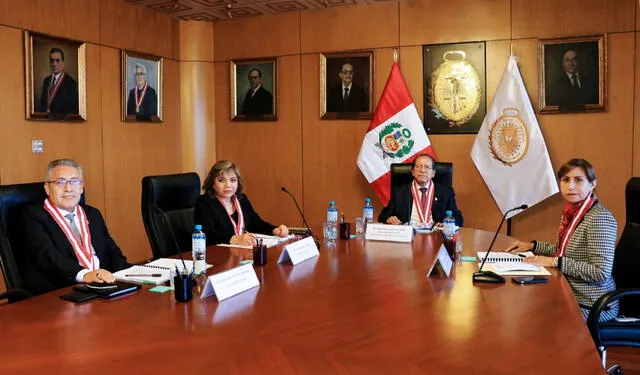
{"x": 395, "y": 135}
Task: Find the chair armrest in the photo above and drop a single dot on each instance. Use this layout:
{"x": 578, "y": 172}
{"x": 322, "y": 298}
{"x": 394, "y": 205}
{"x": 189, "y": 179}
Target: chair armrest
{"x": 15, "y": 295}
{"x": 600, "y": 305}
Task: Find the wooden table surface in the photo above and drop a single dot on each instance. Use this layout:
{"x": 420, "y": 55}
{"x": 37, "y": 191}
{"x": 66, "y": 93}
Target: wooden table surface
{"x": 359, "y": 308}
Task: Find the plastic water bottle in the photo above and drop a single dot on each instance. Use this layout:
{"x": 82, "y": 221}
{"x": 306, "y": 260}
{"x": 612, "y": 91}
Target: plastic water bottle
{"x": 332, "y": 213}
{"x": 367, "y": 211}
{"x": 449, "y": 226}
{"x": 199, "y": 251}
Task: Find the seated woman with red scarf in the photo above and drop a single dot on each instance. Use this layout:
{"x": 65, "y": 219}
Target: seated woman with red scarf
{"x": 584, "y": 249}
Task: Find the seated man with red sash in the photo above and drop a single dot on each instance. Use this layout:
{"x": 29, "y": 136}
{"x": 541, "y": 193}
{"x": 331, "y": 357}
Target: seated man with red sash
{"x": 422, "y": 202}
{"x": 64, "y": 242}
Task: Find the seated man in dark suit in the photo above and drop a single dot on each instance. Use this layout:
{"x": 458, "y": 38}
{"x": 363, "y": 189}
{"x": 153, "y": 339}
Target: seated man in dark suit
{"x": 63, "y": 242}
{"x": 347, "y": 96}
{"x": 422, "y": 201}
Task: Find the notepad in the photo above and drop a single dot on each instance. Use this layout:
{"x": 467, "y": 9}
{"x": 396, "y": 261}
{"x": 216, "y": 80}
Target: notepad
{"x": 162, "y": 266}
{"x": 503, "y": 256}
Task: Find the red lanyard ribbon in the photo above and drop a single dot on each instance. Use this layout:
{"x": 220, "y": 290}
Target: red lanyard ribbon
{"x": 82, "y": 249}
{"x": 423, "y": 215}
{"x": 139, "y": 100}
{"x": 54, "y": 90}
{"x": 237, "y": 227}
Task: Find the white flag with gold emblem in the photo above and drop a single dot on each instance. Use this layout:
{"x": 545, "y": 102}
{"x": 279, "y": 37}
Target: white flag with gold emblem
{"x": 509, "y": 151}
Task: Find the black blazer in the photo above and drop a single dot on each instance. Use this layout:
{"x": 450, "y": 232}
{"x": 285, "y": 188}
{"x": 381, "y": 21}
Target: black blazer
{"x": 213, "y": 217}
{"x": 401, "y": 202}
{"x": 567, "y": 97}
{"x": 149, "y": 105}
{"x": 46, "y": 258}
{"x": 260, "y": 104}
{"x": 358, "y": 100}
{"x": 66, "y": 100}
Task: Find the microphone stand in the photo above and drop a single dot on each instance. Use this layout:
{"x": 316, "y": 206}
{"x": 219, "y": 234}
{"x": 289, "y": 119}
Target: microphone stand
{"x": 304, "y": 220}
{"x": 490, "y": 276}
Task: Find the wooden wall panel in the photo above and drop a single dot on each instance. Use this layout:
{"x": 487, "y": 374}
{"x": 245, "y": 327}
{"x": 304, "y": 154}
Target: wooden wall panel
{"x": 257, "y": 37}
{"x": 137, "y": 28}
{"x": 79, "y": 141}
{"x": 73, "y": 19}
{"x": 547, "y": 18}
{"x": 197, "y": 97}
{"x": 344, "y": 28}
{"x": 434, "y": 21}
{"x": 133, "y": 150}
{"x": 269, "y": 154}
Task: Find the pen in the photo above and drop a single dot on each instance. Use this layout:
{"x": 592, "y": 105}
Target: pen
{"x": 178, "y": 272}
{"x": 521, "y": 255}
{"x": 144, "y": 275}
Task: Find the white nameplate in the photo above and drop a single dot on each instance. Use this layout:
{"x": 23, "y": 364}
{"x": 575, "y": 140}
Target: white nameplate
{"x": 444, "y": 260}
{"x": 229, "y": 283}
{"x": 299, "y": 251}
{"x": 387, "y": 232}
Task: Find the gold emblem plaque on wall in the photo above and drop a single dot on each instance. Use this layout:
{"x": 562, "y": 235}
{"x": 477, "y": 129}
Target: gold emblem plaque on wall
{"x": 455, "y": 88}
{"x": 455, "y": 100}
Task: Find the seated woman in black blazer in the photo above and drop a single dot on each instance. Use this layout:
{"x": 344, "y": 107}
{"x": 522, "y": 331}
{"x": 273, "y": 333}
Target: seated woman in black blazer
{"x": 225, "y": 212}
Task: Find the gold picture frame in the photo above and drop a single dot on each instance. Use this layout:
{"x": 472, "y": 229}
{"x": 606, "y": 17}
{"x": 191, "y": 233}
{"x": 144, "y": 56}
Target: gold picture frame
{"x": 339, "y": 71}
{"x": 55, "y": 78}
{"x": 141, "y": 87}
{"x": 572, "y": 74}
{"x": 254, "y": 89}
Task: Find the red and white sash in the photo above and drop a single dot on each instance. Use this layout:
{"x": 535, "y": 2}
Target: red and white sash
{"x": 141, "y": 98}
{"x": 54, "y": 90}
{"x": 238, "y": 227}
{"x": 562, "y": 243}
{"x": 425, "y": 215}
{"x": 81, "y": 248}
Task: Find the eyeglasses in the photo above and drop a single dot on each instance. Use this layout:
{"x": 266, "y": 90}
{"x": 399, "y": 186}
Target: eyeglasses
{"x": 63, "y": 182}
{"x": 347, "y": 72}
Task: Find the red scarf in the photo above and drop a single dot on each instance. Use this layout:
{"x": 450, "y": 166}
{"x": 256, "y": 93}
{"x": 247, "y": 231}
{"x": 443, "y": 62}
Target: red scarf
{"x": 572, "y": 215}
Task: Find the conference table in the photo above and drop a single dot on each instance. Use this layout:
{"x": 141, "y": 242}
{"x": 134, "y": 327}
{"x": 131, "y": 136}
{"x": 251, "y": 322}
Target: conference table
{"x": 360, "y": 307}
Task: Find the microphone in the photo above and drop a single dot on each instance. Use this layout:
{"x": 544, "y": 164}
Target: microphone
{"x": 304, "y": 220}
{"x": 490, "y": 276}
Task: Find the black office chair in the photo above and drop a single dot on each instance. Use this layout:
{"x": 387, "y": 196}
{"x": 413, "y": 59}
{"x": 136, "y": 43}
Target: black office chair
{"x": 401, "y": 174}
{"x": 625, "y": 273}
{"x": 167, "y": 211}
{"x": 12, "y": 198}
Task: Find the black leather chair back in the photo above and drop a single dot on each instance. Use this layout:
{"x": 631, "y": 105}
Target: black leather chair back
{"x": 167, "y": 211}
{"x": 627, "y": 258}
{"x": 12, "y": 198}
{"x": 401, "y": 174}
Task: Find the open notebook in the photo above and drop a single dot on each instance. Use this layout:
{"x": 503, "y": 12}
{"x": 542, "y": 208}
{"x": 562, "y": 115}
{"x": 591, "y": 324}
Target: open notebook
{"x": 503, "y": 256}
{"x": 156, "y": 272}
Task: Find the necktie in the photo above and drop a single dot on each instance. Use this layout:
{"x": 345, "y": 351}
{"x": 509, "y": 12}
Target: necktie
{"x": 53, "y": 82}
{"x": 74, "y": 228}
{"x": 346, "y": 94}
{"x": 574, "y": 81}
{"x": 423, "y": 200}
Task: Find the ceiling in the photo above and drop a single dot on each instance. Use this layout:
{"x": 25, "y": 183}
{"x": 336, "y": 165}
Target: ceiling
{"x": 215, "y": 10}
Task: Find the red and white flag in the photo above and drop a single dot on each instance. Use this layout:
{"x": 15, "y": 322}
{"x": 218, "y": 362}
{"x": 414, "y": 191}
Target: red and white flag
{"x": 395, "y": 135}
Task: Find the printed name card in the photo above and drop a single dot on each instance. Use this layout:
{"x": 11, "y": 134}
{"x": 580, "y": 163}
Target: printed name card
{"x": 299, "y": 251}
{"x": 444, "y": 260}
{"x": 386, "y": 232}
{"x": 229, "y": 283}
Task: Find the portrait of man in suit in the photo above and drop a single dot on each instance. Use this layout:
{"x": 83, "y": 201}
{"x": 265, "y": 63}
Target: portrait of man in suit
{"x": 572, "y": 77}
{"x": 59, "y": 90}
{"x": 142, "y": 87}
{"x": 143, "y": 99}
{"x": 346, "y": 86}
{"x": 258, "y": 100}
{"x": 253, "y": 90}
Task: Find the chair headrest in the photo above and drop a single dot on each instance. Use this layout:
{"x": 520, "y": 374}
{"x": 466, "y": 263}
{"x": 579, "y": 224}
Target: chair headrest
{"x": 171, "y": 192}
{"x": 401, "y": 173}
{"x": 632, "y": 199}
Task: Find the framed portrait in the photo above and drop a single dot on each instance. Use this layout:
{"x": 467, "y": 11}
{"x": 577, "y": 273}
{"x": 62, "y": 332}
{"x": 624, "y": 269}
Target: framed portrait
{"x": 346, "y": 85}
{"x": 141, "y": 87}
{"x": 253, "y": 90}
{"x": 572, "y": 73}
{"x": 55, "y": 77}
{"x": 455, "y": 97}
